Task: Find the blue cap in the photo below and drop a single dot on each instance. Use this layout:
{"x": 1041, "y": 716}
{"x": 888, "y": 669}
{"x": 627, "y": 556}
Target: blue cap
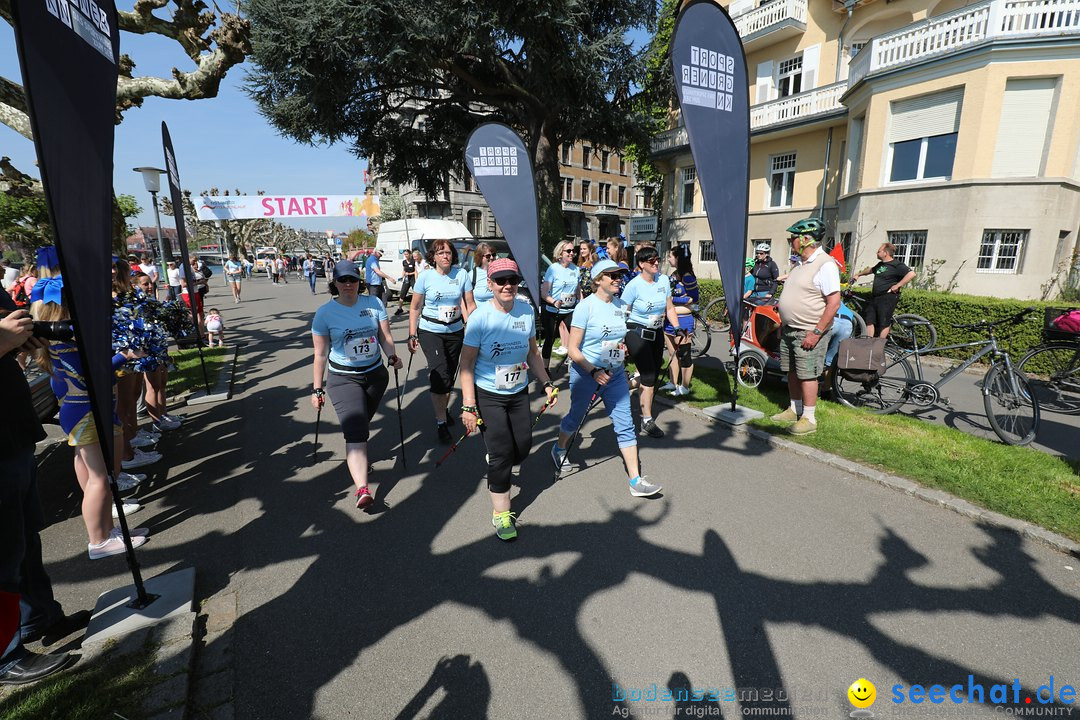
{"x": 602, "y": 267}
{"x": 346, "y": 268}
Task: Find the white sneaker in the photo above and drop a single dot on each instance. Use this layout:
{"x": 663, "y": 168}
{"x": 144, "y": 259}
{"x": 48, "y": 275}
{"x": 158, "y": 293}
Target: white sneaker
{"x": 125, "y": 482}
{"x": 668, "y": 387}
{"x": 129, "y": 508}
{"x": 141, "y": 532}
{"x": 113, "y": 546}
{"x": 140, "y": 441}
{"x": 560, "y": 351}
{"x": 680, "y": 391}
{"x": 140, "y": 458}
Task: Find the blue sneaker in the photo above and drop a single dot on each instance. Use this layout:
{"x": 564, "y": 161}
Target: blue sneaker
{"x": 558, "y": 456}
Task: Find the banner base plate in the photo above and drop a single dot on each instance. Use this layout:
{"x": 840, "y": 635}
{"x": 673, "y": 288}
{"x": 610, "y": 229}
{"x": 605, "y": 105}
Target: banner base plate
{"x": 740, "y": 416}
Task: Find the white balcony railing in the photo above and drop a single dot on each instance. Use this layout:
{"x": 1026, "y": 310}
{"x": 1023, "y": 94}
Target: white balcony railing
{"x": 607, "y": 209}
{"x": 669, "y": 140}
{"x": 798, "y": 107}
{"x": 975, "y": 24}
{"x": 770, "y": 14}
{"x": 571, "y": 206}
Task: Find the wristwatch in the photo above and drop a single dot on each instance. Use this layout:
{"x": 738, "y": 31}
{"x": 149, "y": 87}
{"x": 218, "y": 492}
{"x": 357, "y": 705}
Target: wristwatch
{"x": 818, "y": 332}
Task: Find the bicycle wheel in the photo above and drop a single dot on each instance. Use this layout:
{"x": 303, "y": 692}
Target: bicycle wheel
{"x": 1053, "y": 371}
{"x": 920, "y": 336}
{"x": 1013, "y": 414}
{"x": 716, "y": 315}
{"x": 858, "y": 326}
{"x": 882, "y": 396}
{"x": 702, "y": 337}
{"x": 751, "y": 369}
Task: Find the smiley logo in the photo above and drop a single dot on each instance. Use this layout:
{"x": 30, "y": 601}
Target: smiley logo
{"x": 862, "y": 693}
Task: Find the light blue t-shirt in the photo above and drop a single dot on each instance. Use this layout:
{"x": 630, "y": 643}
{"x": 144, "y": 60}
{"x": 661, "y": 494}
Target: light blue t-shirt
{"x": 232, "y": 267}
{"x": 605, "y": 330}
{"x": 564, "y": 285}
{"x": 442, "y": 299}
{"x": 372, "y": 277}
{"x": 502, "y": 340}
{"x": 647, "y": 301}
{"x": 481, "y": 292}
{"x": 353, "y": 331}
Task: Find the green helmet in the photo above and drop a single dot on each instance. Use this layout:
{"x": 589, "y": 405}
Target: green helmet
{"x": 809, "y": 226}
{"x": 749, "y": 264}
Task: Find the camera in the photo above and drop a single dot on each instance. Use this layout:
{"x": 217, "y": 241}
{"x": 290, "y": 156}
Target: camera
{"x": 60, "y": 331}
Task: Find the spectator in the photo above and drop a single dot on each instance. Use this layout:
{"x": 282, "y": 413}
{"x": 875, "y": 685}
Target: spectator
{"x": 148, "y": 268}
{"x": 23, "y": 286}
{"x": 890, "y": 275}
{"x": 282, "y": 270}
{"x": 408, "y": 279}
{"x": 374, "y": 275}
{"x": 174, "y": 280}
{"x": 808, "y": 304}
{"x": 684, "y": 295}
{"x": 765, "y": 272}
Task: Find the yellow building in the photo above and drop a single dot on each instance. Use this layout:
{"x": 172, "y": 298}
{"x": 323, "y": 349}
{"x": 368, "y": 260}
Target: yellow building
{"x": 950, "y": 129}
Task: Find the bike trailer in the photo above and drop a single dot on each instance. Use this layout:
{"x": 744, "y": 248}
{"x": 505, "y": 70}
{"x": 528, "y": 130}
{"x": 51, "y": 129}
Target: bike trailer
{"x": 861, "y": 359}
{"x": 1061, "y": 323}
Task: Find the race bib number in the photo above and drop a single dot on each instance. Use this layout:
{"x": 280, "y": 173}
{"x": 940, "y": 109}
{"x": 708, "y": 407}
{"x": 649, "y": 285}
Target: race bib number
{"x": 449, "y": 313}
{"x": 613, "y": 351}
{"x": 362, "y": 350}
{"x": 510, "y": 377}
{"x": 568, "y": 300}
{"x": 655, "y": 321}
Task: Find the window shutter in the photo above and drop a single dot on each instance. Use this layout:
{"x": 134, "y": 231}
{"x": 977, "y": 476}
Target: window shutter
{"x": 811, "y": 57}
{"x": 1022, "y": 132}
{"x": 764, "y": 81}
{"x": 854, "y": 152}
{"x": 926, "y": 116}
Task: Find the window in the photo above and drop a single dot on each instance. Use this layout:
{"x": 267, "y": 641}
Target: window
{"x": 468, "y": 183}
{"x": 789, "y": 76}
{"x": 475, "y": 221}
{"x": 686, "y": 197}
{"x": 604, "y": 158}
{"x": 845, "y": 243}
{"x": 566, "y": 153}
{"x": 622, "y": 196}
{"x": 910, "y": 246}
{"x": 605, "y": 193}
{"x": 922, "y": 136}
{"x": 647, "y": 198}
{"x": 782, "y": 180}
{"x": 854, "y": 49}
{"x": 1001, "y": 251}
{"x": 923, "y": 158}
{"x": 568, "y": 189}
{"x": 585, "y": 191}
{"x": 622, "y": 166}
{"x": 706, "y": 251}
{"x": 586, "y": 151}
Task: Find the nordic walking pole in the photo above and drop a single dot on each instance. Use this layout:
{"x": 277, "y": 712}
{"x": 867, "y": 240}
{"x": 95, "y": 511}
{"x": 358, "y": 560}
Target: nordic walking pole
{"x": 400, "y": 426}
{"x": 318, "y": 417}
{"x": 545, "y": 406}
{"x": 570, "y": 444}
{"x": 479, "y": 423}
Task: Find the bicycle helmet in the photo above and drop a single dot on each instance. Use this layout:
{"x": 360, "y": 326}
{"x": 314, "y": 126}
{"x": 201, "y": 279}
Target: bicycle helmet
{"x": 764, "y": 247}
{"x": 809, "y": 226}
{"x": 749, "y": 263}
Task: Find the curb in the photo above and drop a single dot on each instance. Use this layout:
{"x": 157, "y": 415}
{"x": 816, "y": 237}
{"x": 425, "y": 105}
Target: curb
{"x": 894, "y": 482}
{"x": 223, "y": 384}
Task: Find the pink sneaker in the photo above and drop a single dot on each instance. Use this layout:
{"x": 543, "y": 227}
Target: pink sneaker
{"x": 364, "y": 498}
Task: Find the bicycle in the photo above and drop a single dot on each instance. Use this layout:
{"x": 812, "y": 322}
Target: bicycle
{"x": 1011, "y": 406}
{"x": 919, "y": 333}
{"x": 1053, "y": 368}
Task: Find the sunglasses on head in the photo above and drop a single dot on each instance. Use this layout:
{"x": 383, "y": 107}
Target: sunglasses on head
{"x": 512, "y": 280}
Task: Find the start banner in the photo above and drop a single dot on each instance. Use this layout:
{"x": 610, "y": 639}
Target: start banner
{"x": 255, "y": 207}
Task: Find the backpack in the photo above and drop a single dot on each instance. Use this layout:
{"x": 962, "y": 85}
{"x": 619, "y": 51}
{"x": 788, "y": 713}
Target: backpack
{"x": 1067, "y": 322}
{"x": 861, "y": 359}
{"x": 18, "y": 292}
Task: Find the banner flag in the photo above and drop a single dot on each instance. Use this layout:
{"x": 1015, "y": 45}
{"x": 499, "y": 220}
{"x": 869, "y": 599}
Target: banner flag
{"x": 503, "y": 170}
{"x": 256, "y": 207}
{"x": 711, "y": 82}
{"x": 69, "y": 53}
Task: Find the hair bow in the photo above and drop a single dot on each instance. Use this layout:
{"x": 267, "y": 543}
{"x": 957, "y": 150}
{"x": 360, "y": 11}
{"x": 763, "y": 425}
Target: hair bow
{"x": 48, "y": 289}
{"x": 47, "y": 257}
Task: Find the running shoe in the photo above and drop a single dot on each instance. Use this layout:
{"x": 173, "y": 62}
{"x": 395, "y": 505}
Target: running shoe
{"x": 129, "y": 508}
{"x": 364, "y": 498}
{"x": 125, "y": 481}
{"x": 443, "y": 432}
{"x": 505, "y": 525}
{"x": 142, "y": 441}
{"x": 174, "y": 418}
{"x": 558, "y": 456}
{"x": 145, "y": 434}
{"x": 117, "y": 532}
{"x": 667, "y": 387}
{"x": 639, "y": 487}
{"x": 113, "y": 546}
{"x": 164, "y": 425}
{"x": 140, "y": 458}
{"x": 649, "y": 428}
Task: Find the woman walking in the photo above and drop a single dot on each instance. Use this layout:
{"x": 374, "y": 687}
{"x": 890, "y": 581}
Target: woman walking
{"x": 309, "y": 271}
{"x": 483, "y": 256}
{"x": 349, "y": 334}
{"x": 648, "y": 301}
{"x": 560, "y": 293}
{"x": 586, "y": 258}
{"x": 440, "y": 305}
{"x": 597, "y": 351}
{"x": 234, "y": 273}
{"x": 499, "y": 351}
{"x": 684, "y": 293}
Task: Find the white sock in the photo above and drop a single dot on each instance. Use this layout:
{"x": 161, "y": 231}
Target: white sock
{"x": 808, "y": 413}
{"x": 646, "y": 419}
{"x": 797, "y": 407}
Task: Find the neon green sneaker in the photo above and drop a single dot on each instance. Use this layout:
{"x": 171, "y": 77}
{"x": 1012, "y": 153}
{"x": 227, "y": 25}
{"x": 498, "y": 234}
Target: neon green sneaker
{"x": 505, "y": 525}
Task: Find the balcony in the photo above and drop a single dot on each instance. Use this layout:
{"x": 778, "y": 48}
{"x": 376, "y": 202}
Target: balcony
{"x": 571, "y": 206}
{"x": 770, "y": 23}
{"x": 607, "y": 209}
{"x": 965, "y": 28}
{"x": 819, "y": 102}
{"x": 669, "y": 141}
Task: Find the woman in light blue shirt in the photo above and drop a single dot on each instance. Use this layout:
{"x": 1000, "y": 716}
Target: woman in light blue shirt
{"x": 499, "y": 351}
{"x": 482, "y": 257}
{"x": 234, "y": 273}
{"x": 597, "y": 352}
{"x": 440, "y": 306}
{"x": 560, "y": 293}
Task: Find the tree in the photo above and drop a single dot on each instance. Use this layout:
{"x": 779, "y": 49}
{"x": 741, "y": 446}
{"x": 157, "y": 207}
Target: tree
{"x": 406, "y": 80}
{"x": 358, "y": 240}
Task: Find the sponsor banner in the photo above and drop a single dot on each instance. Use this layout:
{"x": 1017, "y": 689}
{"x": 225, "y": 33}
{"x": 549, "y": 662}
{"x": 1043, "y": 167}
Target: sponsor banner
{"x": 254, "y": 207}
{"x": 181, "y": 233}
{"x": 710, "y": 79}
{"x": 68, "y": 52}
{"x": 503, "y": 170}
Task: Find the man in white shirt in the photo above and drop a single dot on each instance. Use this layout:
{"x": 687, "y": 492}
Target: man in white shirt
{"x": 174, "y": 280}
{"x": 147, "y": 266}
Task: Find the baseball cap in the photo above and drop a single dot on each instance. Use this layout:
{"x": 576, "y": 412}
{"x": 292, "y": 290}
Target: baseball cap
{"x": 602, "y": 267}
{"x": 346, "y": 268}
{"x": 502, "y": 267}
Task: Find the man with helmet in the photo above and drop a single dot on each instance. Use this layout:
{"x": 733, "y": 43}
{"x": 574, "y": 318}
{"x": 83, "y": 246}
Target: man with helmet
{"x": 765, "y": 272}
{"x": 807, "y": 307}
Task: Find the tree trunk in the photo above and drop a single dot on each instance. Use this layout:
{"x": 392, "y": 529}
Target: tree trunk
{"x": 548, "y": 190}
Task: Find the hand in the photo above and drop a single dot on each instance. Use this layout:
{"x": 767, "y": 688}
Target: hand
{"x": 413, "y": 344}
{"x": 894, "y": 289}
{"x": 468, "y": 419}
{"x": 15, "y": 329}
{"x": 552, "y": 396}
{"x": 395, "y": 362}
{"x": 34, "y": 343}
{"x": 557, "y": 303}
{"x": 602, "y": 378}
{"x": 810, "y": 341}
{"x": 317, "y": 401}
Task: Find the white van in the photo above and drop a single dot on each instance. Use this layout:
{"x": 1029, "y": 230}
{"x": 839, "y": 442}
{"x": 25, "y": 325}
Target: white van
{"x": 397, "y": 237}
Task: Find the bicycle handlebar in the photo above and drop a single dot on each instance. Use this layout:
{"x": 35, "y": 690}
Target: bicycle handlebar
{"x": 986, "y": 325}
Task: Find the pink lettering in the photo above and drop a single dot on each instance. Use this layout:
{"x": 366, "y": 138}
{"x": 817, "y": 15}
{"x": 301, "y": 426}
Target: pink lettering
{"x": 281, "y": 205}
{"x": 294, "y": 207}
{"x": 266, "y": 203}
{"x": 322, "y": 206}
{"x": 309, "y": 206}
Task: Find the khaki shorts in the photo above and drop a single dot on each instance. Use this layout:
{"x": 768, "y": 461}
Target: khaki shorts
{"x": 808, "y": 364}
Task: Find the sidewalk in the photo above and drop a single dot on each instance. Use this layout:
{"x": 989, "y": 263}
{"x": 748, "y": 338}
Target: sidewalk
{"x": 756, "y": 568}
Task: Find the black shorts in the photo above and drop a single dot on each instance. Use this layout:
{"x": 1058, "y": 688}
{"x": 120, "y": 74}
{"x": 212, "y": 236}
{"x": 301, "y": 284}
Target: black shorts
{"x": 879, "y": 311}
{"x": 442, "y": 351}
{"x": 355, "y": 398}
{"x": 646, "y": 347}
{"x": 376, "y": 291}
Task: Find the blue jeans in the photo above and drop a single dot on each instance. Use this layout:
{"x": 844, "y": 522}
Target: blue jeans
{"x": 616, "y": 397}
{"x": 841, "y": 330}
{"x": 311, "y": 281}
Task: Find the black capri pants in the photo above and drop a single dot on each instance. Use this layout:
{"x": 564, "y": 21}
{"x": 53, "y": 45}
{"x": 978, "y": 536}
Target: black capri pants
{"x": 551, "y": 329}
{"x": 356, "y": 397}
{"x": 442, "y": 351}
{"x": 879, "y": 311}
{"x": 507, "y": 433}
{"x": 648, "y": 354}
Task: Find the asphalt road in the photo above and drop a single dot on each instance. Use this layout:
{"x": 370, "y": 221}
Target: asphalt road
{"x": 756, "y": 569}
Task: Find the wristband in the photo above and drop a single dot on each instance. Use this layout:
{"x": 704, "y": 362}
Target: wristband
{"x": 549, "y": 384}
{"x": 471, "y": 409}
{"x": 414, "y": 337}
{"x": 318, "y": 392}
{"x": 592, "y": 373}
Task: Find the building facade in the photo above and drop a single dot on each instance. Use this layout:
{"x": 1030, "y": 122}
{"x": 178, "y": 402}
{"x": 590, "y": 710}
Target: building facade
{"x": 948, "y": 128}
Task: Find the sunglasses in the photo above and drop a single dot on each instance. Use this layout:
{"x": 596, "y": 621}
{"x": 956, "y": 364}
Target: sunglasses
{"x": 348, "y": 279}
{"x": 651, "y": 261}
{"x": 512, "y": 280}
{"x": 612, "y": 276}
{"x": 488, "y": 255}
{"x": 568, "y": 252}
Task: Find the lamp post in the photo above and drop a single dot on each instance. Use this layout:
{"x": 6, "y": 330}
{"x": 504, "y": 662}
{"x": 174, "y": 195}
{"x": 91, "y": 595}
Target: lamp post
{"x": 221, "y": 249}
{"x": 152, "y": 180}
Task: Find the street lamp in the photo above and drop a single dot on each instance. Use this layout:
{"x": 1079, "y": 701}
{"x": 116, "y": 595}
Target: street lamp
{"x": 152, "y": 180}
{"x": 221, "y": 249}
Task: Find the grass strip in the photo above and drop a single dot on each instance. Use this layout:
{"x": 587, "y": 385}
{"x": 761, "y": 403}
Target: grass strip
{"x": 110, "y": 687}
{"x": 1020, "y": 482}
{"x": 188, "y": 374}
